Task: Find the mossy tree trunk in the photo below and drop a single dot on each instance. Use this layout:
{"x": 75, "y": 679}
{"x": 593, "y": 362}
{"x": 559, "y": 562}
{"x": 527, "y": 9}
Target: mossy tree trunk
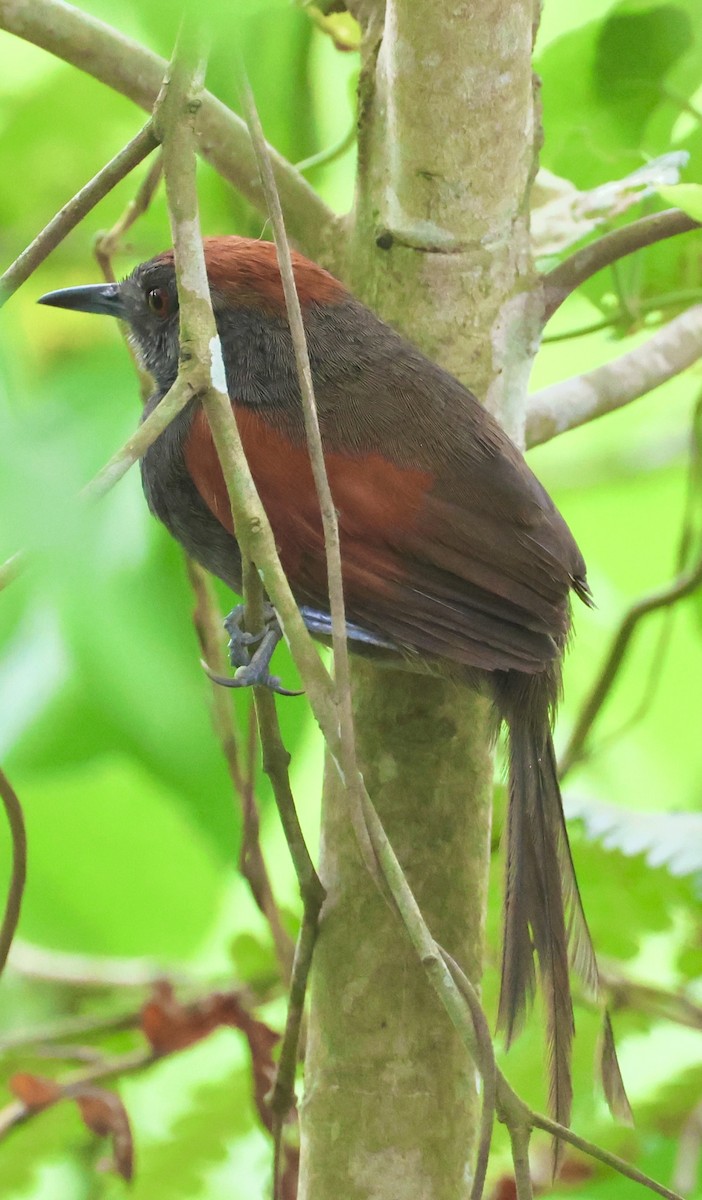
{"x": 439, "y": 247}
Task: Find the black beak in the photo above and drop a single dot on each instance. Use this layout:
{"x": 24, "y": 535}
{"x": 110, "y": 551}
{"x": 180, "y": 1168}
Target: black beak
{"x": 95, "y": 298}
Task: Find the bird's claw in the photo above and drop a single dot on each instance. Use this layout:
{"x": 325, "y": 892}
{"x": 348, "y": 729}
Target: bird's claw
{"x": 246, "y": 677}
{"x": 241, "y": 640}
{"x": 251, "y": 669}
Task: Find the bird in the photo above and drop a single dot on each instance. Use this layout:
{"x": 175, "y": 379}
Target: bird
{"x": 454, "y": 557}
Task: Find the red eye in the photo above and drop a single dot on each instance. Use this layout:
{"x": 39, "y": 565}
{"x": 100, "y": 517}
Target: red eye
{"x": 158, "y": 301}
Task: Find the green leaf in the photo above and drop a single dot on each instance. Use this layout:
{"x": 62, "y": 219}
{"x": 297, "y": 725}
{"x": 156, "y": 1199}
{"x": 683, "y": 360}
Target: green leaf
{"x": 687, "y": 196}
{"x": 115, "y": 868}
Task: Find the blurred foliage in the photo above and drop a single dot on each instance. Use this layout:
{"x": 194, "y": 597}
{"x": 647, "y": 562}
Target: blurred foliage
{"x": 134, "y": 830}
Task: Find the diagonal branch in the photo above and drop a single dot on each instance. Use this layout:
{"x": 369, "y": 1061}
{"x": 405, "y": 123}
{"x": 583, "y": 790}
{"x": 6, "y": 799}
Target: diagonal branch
{"x": 681, "y": 587}
{"x": 330, "y": 524}
{"x": 208, "y": 627}
{"x": 75, "y": 210}
{"x": 557, "y": 285}
{"x": 131, "y": 69}
{"x": 576, "y": 401}
{"x": 15, "y": 819}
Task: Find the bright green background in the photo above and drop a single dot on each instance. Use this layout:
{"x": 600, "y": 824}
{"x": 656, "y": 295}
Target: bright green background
{"x": 104, "y": 725}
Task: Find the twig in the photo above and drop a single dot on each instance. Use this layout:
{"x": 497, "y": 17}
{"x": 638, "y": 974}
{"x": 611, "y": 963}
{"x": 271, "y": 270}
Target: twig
{"x": 283, "y": 1094}
{"x": 18, "y": 833}
{"x": 276, "y": 760}
{"x": 557, "y": 284}
{"x": 17, "y": 1112}
{"x": 576, "y": 401}
{"x": 604, "y": 1156}
{"x": 488, "y": 1071}
{"x": 652, "y": 1001}
{"x": 684, "y": 585}
{"x": 85, "y": 970}
{"x": 519, "y": 1137}
{"x": 330, "y": 525}
{"x": 627, "y": 317}
{"x": 106, "y": 244}
{"x": 323, "y": 157}
{"x": 201, "y": 343}
{"x": 514, "y": 1113}
{"x": 208, "y": 626}
{"x": 682, "y": 559}
{"x": 131, "y": 69}
{"x": 68, "y": 1027}
{"x": 77, "y": 208}
{"x": 187, "y": 385}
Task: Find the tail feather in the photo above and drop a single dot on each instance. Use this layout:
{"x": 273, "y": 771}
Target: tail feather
{"x": 543, "y": 910}
{"x": 518, "y": 975}
{"x": 580, "y": 947}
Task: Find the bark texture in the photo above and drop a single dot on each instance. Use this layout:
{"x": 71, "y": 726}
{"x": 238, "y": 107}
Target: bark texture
{"x": 439, "y": 247}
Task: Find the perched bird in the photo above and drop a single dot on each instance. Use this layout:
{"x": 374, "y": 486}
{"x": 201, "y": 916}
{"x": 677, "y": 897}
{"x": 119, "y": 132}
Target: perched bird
{"x": 453, "y": 554}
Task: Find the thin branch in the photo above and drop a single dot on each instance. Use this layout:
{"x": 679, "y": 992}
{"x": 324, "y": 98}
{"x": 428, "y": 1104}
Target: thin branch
{"x": 208, "y": 627}
{"x": 275, "y": 765}
{"x": 660, "y": 1003}
{"x": 681, "y": 587}
{"x": 515, "y": 1114}
{"x": 129, "y": 68}
{"x": 83, "y": 1025}
{"x": 18, "y": 1113}
{"x": 576, "y": 401}
{"x": 558, "y": 284}
{"x": 282, "y": 1097}
{"x": 489, "y": 1074}
{"x": 330, "y": 524}
{"x": 107, "y": 244}
{"x": 604, "y": 1156}
{"x": 88, "y": 971}
{"x": 75, "y": 210}
{"x": 685, "y": 554}
{"x": 201, "y": 343}
{"x": 187, "y": 385}
{"x": 630, "y": 316}
{"x": 18, "y": 833}
{"x": 519, "y": 1137}
{"x": 322, "y": 158}
{"x": 371, "y": 838}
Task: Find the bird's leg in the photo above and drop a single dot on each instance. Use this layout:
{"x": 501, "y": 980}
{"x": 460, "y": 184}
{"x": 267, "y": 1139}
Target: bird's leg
{"x": 240, "y": 640}
{"x": 251, "y": 666}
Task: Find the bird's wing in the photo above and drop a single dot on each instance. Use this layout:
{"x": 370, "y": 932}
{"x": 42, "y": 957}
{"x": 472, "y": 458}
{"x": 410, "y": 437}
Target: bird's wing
{"x": 466, "y": 569}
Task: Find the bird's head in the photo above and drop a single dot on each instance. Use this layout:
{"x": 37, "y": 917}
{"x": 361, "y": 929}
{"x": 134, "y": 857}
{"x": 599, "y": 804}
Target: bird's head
{"x": 243, "y": 275}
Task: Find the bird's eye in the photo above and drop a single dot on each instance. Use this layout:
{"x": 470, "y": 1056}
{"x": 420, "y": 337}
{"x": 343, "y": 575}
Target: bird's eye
{"x": 158, "y": 301}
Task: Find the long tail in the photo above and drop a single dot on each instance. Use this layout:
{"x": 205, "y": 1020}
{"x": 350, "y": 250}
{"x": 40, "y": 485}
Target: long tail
{"x": 542, "y": 909}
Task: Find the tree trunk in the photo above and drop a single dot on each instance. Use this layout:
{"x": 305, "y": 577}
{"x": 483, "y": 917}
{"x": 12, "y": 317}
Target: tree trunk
{"x": 439, "y": 247}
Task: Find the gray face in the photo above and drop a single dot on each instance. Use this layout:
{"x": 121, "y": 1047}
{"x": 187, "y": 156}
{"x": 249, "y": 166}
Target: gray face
{"x": 149, "y": 303}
